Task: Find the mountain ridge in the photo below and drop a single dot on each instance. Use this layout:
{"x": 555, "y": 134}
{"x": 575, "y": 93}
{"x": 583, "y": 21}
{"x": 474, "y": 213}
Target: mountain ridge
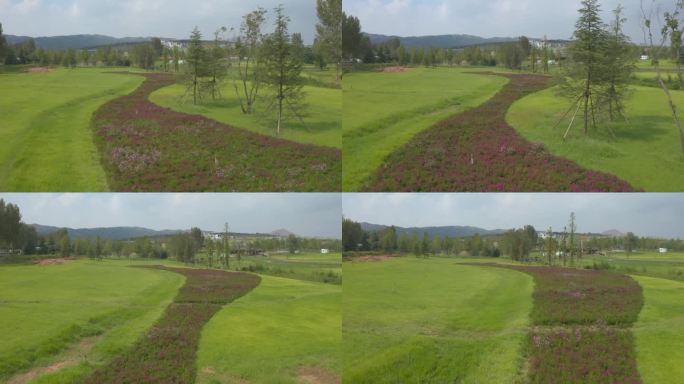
{"x": 453, "y": 231}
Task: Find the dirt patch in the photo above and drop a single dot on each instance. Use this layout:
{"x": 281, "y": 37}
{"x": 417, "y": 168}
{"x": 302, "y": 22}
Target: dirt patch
{"x": 71, "y": 357}
{"x": 394, "y": 69}
{"x": 317, "y": 375}
{"x": 371, "y": 259}
{"x": 39, "y": 70}
{"x": 58, "y": 261}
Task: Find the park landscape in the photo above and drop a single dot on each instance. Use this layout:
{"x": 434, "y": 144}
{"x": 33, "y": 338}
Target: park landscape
{"x": 227, "y": 113}
{"x": 425, "y": 307}
{"x": 448, "y": 114}
{"x": 168, "y": 307}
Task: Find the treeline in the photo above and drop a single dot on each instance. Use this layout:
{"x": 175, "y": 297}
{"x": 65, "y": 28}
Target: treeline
{"x": 356, "y": 239}
{"x": 15, "y": 236}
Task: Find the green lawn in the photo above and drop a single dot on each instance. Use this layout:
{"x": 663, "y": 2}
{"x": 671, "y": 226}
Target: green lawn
{"x": 668, "y": 266}
{"x": 45, "y": 309}
{"x": 46, "y": 143}
{"x": 434, "y": 321}
{"x": 646, "y": 153}
{"x": 283, "y": 330}
{"x": 660, "y": 331}
{"x": 383, "y": 111}
{"x": 321, "y": 125}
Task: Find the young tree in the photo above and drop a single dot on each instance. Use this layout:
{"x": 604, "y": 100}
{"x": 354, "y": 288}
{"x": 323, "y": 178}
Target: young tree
{"x": 196, "y": 64}
{"x": 619, "y": 66}
{"x": 551, "y": 246}
{"x": 226, "y": 246}
{"x": 351, "y": 37}
{"x": 65, "y": 246}
{"x": 631, "y": 241}
{"x": 157, "y": 47}
{"x": 587, "y": 70}
{"x": 250, "y": 66}
{"x": 292, "y": 244}
{"x": 177, "y": 55}
{"x": 572, "y": 246}
{"x": 284, "y": 63}
{"x": 425, "y": 245}
{"x": 3, "y": 46}
{"x": 216, "y": 64}
{"x": 672, "y": 28}
{"x": 329, "y": 32}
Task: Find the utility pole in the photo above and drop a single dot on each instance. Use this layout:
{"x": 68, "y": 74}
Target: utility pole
{"x": 226, "y": 247}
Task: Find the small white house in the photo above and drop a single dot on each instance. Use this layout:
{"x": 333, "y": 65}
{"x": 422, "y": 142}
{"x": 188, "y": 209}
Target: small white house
{"x": 662, "y": 250}
{"x": 644, "y": 57}
{"x": 325, "y": 251}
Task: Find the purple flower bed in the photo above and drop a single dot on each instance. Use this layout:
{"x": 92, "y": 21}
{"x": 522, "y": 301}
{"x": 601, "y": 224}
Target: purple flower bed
{"x": 477, "y": 151}
{"x": 145, "y": 147}
{"x": 166, "y": 354}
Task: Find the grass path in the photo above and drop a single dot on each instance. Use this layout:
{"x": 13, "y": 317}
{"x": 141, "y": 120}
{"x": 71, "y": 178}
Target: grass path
{"x": 384, "y": 111}
{"x": 408, "y": 320}
{"x": 167, "y": 353}
{"x": 47, "y": 312}
{"x": 146, "y": 147}
{"x": 46, "y": 143}
{"x": 478, "y": 151}
{"x": 659, "y": 332}
{"x": 284, "y": 331}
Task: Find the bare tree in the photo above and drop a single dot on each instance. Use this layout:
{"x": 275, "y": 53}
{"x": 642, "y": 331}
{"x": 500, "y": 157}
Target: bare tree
{"x": 648, "y": 13}
{"x": 249, "y": 63}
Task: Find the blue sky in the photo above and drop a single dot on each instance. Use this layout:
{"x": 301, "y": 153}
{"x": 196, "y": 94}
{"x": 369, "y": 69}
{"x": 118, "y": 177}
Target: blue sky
{"x": 487, "y": 18}
{"x": 304, "y": 214}
{"x": 165, "y": 18}
{"x": 650, "y": 214}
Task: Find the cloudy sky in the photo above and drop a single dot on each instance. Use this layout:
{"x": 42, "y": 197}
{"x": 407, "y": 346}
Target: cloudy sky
{"x": 487, "y": 18}
{"x": 651, "y": 214}
{"x": 164, "y": 18}
{"x": 304, "y": 214}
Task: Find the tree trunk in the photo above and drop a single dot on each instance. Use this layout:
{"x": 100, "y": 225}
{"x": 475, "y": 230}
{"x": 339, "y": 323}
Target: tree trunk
{"x": 587, "y": 95}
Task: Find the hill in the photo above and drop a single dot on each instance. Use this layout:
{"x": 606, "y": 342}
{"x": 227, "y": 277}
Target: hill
{"x": 282, "y": 233}
{"x": 113, "y": 233}
{"x": 440, "y": 41}
{"x": 450, "y": 231}
{"x": 76, "y": 41}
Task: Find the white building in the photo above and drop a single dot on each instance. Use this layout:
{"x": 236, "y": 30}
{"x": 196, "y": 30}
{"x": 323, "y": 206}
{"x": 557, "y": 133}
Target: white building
{"x": 325, "y": 251}
{"x": 662, "y": 250}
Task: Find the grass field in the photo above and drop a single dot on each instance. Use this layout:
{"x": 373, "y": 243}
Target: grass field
{"x": 659, "y": 330}
{"x": 306, "y": 266}
{"x": 285, "y": 331}
{"x": 383, "y": 111}
{"x": 48, "y": 310}
{"x": 433, "y": 321}
{"x": 46, "y": 142}
{"x": 646, "y": 153}
{"x": 322, "y": 124}
{"x": 668, "y": 266}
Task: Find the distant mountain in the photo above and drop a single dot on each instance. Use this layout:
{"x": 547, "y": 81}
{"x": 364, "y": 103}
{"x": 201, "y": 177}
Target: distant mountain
{"x": 613, "y": 233}
{"x": 113, "y": 233}
{"x": 450, "y": 231}
{"x": 282, "y": 233}
{"x": 76, "y": 41}
{"x": 440, "y": 41}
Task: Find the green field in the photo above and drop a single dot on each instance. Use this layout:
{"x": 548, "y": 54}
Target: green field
{"x": 659, "y": 330}
{"x": 314, "y": 267}
{"x": 282, "y": 331}
{"x": 668, "y": 266}
{"x": 320, "y": 126}
{"x": 48, "y": 310}
{"x": 383, "y": 111}
{"x": 46, "y": 143}
{"x": 433, "y": 321}
{"x": 60, "y": 322}
{"x": 646, "y": 153}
